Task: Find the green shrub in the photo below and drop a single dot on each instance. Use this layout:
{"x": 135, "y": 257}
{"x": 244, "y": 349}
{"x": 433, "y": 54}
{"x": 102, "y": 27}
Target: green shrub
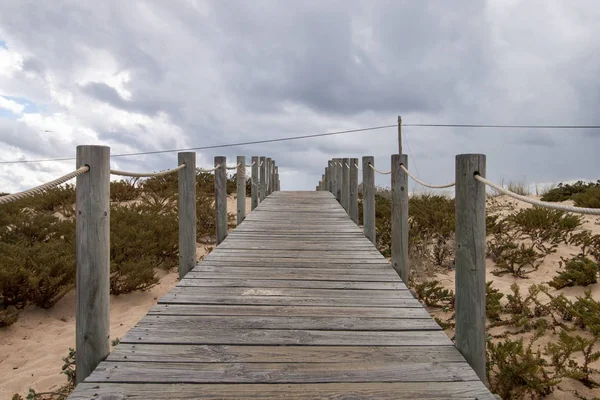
{"x": 383, "y": 224}
{"x": 577, "y": 272}
{"x": 566, "y": 191}
{"x": 141, "y": 241}
{"x": 60, "y": 199}
{"x": 543, "y": 225}
{"x": 8, "y": 316}
{"x": 586, "y": 313}
{"x": 430, "y": 216}
{"x": 515, "y": 371}
{"x": 434, "y": 295}
{"x": 124, "y": 190}
{"x": 590, "y": 198}
{"x": 493, "y": 307}
{"x": 562, "y": 356}
{"x": 511, "y": 257}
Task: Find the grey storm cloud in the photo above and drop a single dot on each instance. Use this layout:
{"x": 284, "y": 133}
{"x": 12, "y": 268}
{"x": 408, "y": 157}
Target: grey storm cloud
{"x": 214, "y": 72}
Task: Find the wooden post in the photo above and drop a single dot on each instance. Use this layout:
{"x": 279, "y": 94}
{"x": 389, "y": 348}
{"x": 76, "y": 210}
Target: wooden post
{"x": 263, "y": 175}
{"x": 221, "y": 198}
{"x": 326, "y": 181}
{"x": 345, "y": 183}
{"x": 353, "y": 195}
{"x": 399, "y": 134}
{"x": 92, "y": 256}
{"x": 369, "y": 198}
{"x": 338, "y": 180}
{"x": 272, "y": 176}
{"x": 187, "y": 212}
{"x": 400, "y": 216}
{"x": 241, "y": 189}
{"x": 268, "y": 175}
{"x": 255, "y": 182}
{"x": 330, "y": 184}
{"x": 470, "y": 261}
{"x": 276, "y": 178}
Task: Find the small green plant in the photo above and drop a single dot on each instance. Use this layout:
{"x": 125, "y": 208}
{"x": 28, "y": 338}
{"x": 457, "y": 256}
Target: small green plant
{"x": 493, "y": 307}
{"x": 588, "y": 243}
{"x": 516, "y": 371}
{"x": 434, "y": 295}
{"x": 562, "y": 356}
{"x": 577, "y": 272}
{"x": 590, "y": 198}
{"x": 518, "y": 259}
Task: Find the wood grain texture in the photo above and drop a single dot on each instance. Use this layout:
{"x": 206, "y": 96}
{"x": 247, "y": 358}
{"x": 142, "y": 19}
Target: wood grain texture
{"x": 92, "y": 258}
{"x": 353, "y": 188}
{"x": 369, "y": 198}
{"x": 221, "y": 198}
{"x": 241, "y": 188}
{"x": 346, "y": 183}
{"x": 254, "y": 190}
{"x": 294, "y": 303}
{"x": 400, "y": 216}
{"x": 470, "y": 261}
{"x": 187, "y": 212}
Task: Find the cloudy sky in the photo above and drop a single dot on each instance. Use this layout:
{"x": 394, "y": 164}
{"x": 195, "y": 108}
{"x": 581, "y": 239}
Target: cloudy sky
{"x": 153, "y": 75}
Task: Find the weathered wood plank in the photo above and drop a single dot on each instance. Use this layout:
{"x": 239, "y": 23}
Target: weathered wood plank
{"x": 273, "y": 283}
{"x": 340, "y": 294}
{"x": 327, "y": 391}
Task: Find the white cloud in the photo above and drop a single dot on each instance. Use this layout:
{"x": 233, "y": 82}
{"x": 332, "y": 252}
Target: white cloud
{"x": 11, "y": 105}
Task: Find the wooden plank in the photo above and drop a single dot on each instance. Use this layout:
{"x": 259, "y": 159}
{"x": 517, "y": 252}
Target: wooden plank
{"x": 303, "y": 354}
{"x": 265, "y": 283}
{"x": 152, "y": 323}
{"x": 340, "y": 294}
{"x": 143, "y": 372}
{"x": 284, "y": 337}
{"x": 327, "y": 391}
{"x": 294, "y": 274}
{"x": 299, "y": 311}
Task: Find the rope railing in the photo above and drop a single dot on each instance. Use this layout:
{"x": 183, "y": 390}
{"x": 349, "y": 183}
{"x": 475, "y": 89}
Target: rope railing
{"x": 426, "y": 184}
{"x": 209, "y": 170}
{"x": 357, "y": 167}
{"x": 234, "y": 167}
{"x": 378, "y": 171}
{"x": 539, "y": 203}
{"x": 46, "y": 186}
{"x": 146, "y": 174}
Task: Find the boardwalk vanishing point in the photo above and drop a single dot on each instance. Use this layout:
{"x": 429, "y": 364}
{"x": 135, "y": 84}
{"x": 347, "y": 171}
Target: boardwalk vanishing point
{"x": 296, "y": 303}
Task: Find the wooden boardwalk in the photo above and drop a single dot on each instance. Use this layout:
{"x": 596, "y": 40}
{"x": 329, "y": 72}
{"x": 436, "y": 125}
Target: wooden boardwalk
{"x": 296, "y": 303}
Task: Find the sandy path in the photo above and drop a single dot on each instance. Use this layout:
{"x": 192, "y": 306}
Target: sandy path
{"x": 31, "y": 350}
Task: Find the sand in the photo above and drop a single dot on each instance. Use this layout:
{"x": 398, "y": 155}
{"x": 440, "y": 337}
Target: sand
{"x": 32, "y": 349}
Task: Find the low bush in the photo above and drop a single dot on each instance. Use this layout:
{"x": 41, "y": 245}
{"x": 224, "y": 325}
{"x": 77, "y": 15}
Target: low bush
{"x": 566, "y": 191}
{"x": 577, "y": 272}
{"x": 590, "y": 198}
{"x": 516, "y": 371}
{"x": 543, "y": 225}
{"x": 124, "y": 190}
{"x": 493, "y": 307}
{"x": 434, "y": 295}
{"x": 512, "y": 257}
{"x": 562, "y": 354}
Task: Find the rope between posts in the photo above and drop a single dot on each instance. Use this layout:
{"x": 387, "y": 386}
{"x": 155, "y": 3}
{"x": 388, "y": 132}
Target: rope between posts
{"x": 233, "y": 167}
{"x": 378, "y": 171}
{"x": 146, "y": 174}
{"x": 209, "y": 170}
{"x": 539, "y": 203}
{"x": 41, "y": 188}
{"x": 357, "y": 167}
{"x": 426, "y": 184}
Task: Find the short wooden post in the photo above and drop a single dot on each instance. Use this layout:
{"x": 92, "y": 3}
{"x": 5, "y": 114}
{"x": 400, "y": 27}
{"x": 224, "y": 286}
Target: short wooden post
{"x": 338, "y": 179}
{"x": 345, "y": 183}
{"x": 92, "y": 256}
{"x": 187, "y": 212}
{"x": 276, "y": 178}
{"x": 272, "y": 176}
{"x": 221, "y": 197}
{"x": 241, "y": 189}
{"x": 254, "y": 183}
{"x": 470, "y": 261}
{"x": 400, "y": 216}
{"x": 353, "y": 190}
{"x": 330, "y": 183}
{"x": 263, "y": 175}
{"x": 369, "y": 198}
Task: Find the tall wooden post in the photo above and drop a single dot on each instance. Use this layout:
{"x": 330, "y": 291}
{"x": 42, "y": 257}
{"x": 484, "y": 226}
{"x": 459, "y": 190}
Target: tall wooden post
{"x": 263, "y": 175}
{"x": 272, "y": 176}
{"x": 255, "y": 182}
{"x": 269, "y": 165}
{"x": 276, "y": 178}
{"x": 330, "y": 170}
{"x": 241, "y": 189}
{"x": 399, "y": 134}
{"x": 353, "y": 195}
{"x": 92, "y": 256}
{"x": 221, "y": 198}
{"x": 345, "y": 183}
{"x": 338, "y": 179}
{"x": 470, "y": 261}
{"x": 400, "y": 216}
{"x": 187, "y": 212}
{"x": 369, "y": 198}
